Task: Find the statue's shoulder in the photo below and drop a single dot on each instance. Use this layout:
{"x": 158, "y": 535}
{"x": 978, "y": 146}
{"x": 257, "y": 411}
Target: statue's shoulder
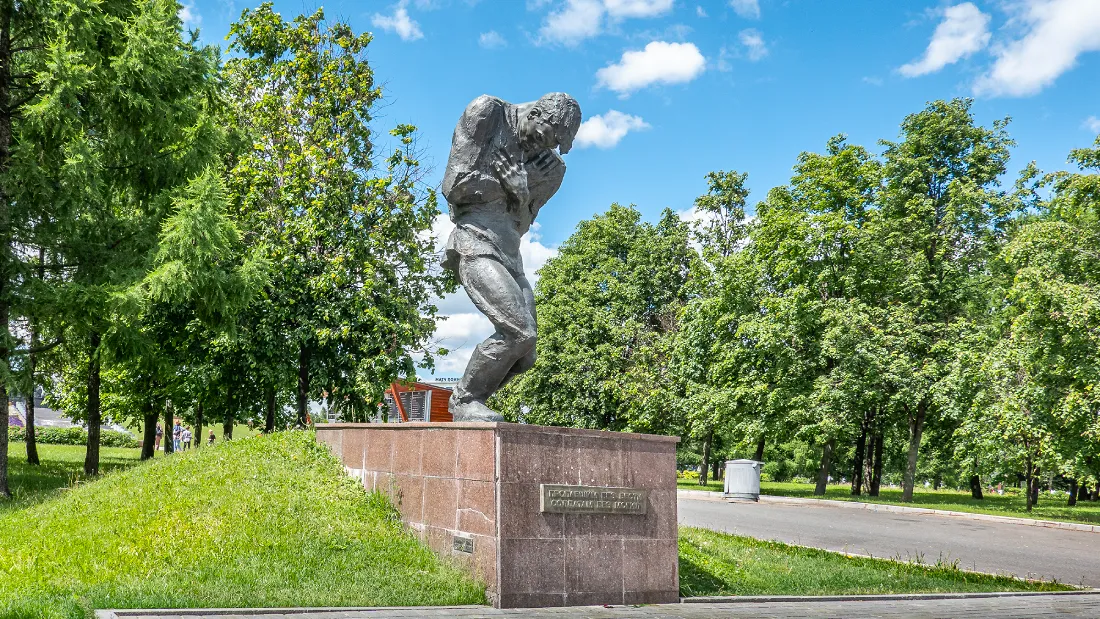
{"x": 485, "y": 105}
{"x": 482, "y": 115}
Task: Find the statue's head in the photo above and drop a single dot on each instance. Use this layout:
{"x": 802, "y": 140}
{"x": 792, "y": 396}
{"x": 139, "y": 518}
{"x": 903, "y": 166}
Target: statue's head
{"x": 553, "y": 121}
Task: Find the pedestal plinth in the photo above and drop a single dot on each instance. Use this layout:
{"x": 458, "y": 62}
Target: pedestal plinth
{"x": 544, "y": 516}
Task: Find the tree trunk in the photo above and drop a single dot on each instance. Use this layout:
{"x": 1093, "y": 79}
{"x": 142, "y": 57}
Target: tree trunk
{"x": 7, "y": 14}
{"x": 1072, "y": 493}
{"x": 976, "y": 488}
{"x": 1036, "y": 480}
{"x": 1028, "y": 478}
{"x": 197, "y": 436}
{"x": 705, "y": 468}
{"x": 1083, "y": 493}
{"x": 876, "y": 468}
{"x": 269, "y": 418}
{"x": 149, "y": 437}
{"x": 916, "y": 428}
{"x": 759, "y": 455}
{"x": 227, "y": 422}
{"x": 937, "y": 481}
{"x": 716, "y": 470}
{"x": 169, "y": 447}
{"x": 1095, "y": 492}
{"x": 32, "y": 362}
{"x": 32, "y": 443}
{"x": 91, "y": 459}
{"x": 823, "y": 472}
{"x": 860, "y": 455}
{"x": 303, "y": 384}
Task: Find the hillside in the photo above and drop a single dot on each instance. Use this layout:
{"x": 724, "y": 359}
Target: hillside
{"x": 264, "y": 521}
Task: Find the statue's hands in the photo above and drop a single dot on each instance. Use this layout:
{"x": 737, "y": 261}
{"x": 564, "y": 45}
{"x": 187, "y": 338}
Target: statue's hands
{"x": 512, "y": 175}
{"x": 546, "y": 163}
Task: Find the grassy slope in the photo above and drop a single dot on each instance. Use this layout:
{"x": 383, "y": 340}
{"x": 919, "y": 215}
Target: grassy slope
{"x": 714, "y": 563}
{"x": 1015, "y": 506}
{"x": 297, "y": 532}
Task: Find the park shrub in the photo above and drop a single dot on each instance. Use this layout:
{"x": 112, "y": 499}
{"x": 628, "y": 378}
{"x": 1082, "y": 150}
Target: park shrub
{"x": 689, "y": 474}
{"x": 73, "y": 436}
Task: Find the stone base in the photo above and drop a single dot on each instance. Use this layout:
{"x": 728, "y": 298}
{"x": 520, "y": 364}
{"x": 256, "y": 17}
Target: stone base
{"x": 472, "y": 492}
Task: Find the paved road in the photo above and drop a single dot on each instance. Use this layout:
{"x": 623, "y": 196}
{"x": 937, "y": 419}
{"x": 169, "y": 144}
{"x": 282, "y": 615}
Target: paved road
{"x": 1029, "y": 607}
{"x": 1071, "y": 557}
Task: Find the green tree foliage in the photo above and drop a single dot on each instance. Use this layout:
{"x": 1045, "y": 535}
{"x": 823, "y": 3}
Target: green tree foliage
{"x": 606, "y": 305}
{"x": 350, "y": 297}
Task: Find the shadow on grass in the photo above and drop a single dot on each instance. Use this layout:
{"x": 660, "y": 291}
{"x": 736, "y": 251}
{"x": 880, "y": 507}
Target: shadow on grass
{"x": 61, "y": 468}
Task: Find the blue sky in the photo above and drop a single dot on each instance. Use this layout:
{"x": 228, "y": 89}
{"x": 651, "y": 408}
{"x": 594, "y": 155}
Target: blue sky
{"x": 672, "y": 89}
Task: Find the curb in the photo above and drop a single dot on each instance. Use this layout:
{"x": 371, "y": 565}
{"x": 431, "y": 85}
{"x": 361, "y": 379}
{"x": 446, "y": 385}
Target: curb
{"x": 763, "y": 599}
{"x": 705, "y": 495}
{"x": 202, "y": 612}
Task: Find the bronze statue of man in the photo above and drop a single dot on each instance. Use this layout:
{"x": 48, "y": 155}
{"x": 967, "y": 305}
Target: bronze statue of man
{"x": 503, "y": 168}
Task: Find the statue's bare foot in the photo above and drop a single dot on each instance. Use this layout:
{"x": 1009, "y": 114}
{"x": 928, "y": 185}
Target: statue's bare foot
{"x": 473, "y": 411}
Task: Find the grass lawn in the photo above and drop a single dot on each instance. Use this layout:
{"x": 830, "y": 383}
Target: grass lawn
{"x": 999, "y": 505}
{"x": 62, "y": 467}
{"x": 714, "y": 563}
{"x": 265, "y": 521}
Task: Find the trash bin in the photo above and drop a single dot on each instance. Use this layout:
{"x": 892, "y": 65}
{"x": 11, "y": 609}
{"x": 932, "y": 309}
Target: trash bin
{"x": 743, "y": 479}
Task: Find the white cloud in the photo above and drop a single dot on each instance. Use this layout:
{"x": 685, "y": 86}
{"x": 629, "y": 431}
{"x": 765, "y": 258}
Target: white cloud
{"x": 1092, "y": 123}
{"x": 1057, "y": 32}
{"x": 577, "y": 21}
{"x": 659, "y": 63}
{"x": 491, "y": 40}
{"x": 754, "y": 44}
{"x": 621, "y": 9}
{"x": 190, "y": 16}
{"x": 700, "y": 11}
{"x": 399, "y": 22}
{"x": 606, "y": 130}
{"x": 963, "y": 31}
{"x": 749, "y": 9}
{"x": 464, "y": 326}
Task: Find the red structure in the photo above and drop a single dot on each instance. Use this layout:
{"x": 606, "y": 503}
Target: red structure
{"x": 418, "y": 401}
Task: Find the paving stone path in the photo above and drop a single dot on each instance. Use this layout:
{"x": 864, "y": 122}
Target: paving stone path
{"x": 1002, "y": 607}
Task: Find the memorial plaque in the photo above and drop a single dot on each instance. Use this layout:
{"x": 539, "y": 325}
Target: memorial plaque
{"x": 559, "y": 499}
{"x": 464, "y": 544}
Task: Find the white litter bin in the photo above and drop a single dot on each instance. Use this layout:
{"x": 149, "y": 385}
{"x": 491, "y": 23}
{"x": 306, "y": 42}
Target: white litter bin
{"x": 743, "y": 479}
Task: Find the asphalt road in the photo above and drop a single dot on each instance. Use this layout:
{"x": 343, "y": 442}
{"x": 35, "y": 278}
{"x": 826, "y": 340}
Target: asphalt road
{"x": 1071, "y": 557}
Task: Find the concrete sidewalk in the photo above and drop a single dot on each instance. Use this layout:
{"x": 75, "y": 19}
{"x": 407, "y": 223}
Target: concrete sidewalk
{"x": 1073, "y": 604}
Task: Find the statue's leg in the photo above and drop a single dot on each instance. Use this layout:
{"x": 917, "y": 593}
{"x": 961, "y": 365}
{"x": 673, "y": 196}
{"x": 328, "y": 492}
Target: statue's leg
{"x": 527, "y": 361}
{"x": 498, "y": 295}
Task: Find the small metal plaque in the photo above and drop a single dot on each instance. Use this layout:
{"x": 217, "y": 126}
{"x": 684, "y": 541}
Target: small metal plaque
{"x": 464, "y": 544}
{"x": 559, "y": 499}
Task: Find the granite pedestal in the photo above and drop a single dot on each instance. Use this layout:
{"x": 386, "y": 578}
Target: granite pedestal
{"x": 544, "y": 516}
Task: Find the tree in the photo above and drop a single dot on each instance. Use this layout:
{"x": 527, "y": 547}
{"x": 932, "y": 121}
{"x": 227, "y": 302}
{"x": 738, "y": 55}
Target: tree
{"x": 25, "y": 28}
{"x": 124, "y": 119}
{"x": 705, "y": 341}
{"x": 942, "y": 219}
{"x": 605, "y": 303}
{"x": 350, "y": 299}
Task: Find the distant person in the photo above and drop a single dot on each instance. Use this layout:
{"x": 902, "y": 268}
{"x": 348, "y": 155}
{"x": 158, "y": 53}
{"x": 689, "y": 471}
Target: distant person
{"x": 177, "y": 436}
{"x": 210, "y": 441}
{"x": 159, "y": 435}
{"x": 186, "y": 438}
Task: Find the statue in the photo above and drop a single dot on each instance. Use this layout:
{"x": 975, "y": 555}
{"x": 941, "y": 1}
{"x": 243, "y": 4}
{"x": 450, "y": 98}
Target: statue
{"x": 502, "y": 169}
